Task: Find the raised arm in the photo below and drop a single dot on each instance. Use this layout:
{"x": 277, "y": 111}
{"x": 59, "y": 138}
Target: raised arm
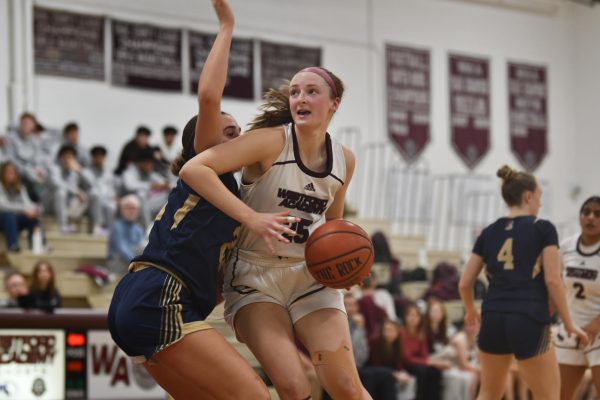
{"x": 209, "y": 131}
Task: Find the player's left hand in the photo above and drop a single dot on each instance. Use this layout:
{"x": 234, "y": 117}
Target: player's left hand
{"x": 592, "y": 329}
{"x": 582, "y": 336}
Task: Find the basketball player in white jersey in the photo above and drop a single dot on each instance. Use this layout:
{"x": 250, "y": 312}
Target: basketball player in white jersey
{"x": 581, "y": 274}
{"x": 290, "y": 164}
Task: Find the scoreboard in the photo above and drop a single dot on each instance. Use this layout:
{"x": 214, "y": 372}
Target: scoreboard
{"x": 66, "y": 355}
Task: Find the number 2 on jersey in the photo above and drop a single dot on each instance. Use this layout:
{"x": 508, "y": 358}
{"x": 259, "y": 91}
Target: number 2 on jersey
{"x": 505, "y": 255}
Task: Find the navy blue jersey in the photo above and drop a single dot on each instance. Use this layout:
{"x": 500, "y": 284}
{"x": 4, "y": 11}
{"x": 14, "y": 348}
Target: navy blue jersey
{"x": 190, "y": 238}
{"x": 511, "y": 249}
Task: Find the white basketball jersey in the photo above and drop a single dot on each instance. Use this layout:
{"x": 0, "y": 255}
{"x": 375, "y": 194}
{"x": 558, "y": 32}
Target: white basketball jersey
{"x": 290, "y": 186}
{"x": 581, "y": 270}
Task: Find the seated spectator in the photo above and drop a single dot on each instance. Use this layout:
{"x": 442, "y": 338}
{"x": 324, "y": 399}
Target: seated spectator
{"x": 465, "y": 343}
{"x": 169, "y": 147}
{"x": 43, "y": 287}
{"x": 386, "y": 351}
{"x": 374, "y": 314}
{"x": 378, "y": 381}
{"x": 17, "y": 211}
{"x": 26, "y": 150}
{"x": 149, "y": 186}
{"x": 127, "y": 237}
{"x": 103, "y": 192}
{"x": 459, "y": 379}
{"x": 444, "y": 282}
{"x": 383, "y": 254}
{"x": 71, "y": 137}
{"x": 131, "y": 150}
{"x": 15, "y": 285}
{"x": 381, "y": 296}
{"x": 416, "y": 355}
{"x": 69, "y": 187}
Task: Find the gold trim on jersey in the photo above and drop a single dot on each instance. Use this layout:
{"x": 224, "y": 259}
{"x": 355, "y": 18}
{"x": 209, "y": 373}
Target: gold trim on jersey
{"x": 140, "y": 265}
{"x": 195, "y": 326}
{"x": 171, "y": 321}
{"x": 161, "y": 212}
{"x": 537, "y": 268}
{"x": 191, "y": 202}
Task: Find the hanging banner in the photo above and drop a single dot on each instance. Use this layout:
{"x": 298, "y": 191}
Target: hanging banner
{"x": 68, "y": 44}
{"x": 240, "y": 76}
{"x": 408, "y": 99}
{"x": 146, "y": 56}
{"x": 528, "y": 113}
{"x": 469, "y": 80}
{"x": 279, "y": 62}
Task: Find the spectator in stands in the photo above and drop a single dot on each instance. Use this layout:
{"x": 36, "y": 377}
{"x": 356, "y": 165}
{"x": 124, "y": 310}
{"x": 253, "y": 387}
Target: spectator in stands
{"x": 444, "y": 282}
{"x": 151, "y": 188}
{"x": 416, "y": 355}
{"x": 169, "y": 147}
{"x": 383, "y": 255}
{"x": 15, "y": 285}
{"x": 43, "y": 287}
{"x": 386, "y": 351}
{"x": 373, "y": 313}
{"x": 465, "y": 344}
{"x": 103, "y": 192}
{"x": 69, "y": 188}
{"x": 380, "y": 296}
{"x": 17, "y": 211}
{"x": 26, "y": 151}
{"x": 71, "y": 137}
{"x": 457, "y": 373}
{"x": 131, "y": 150}
{"x": 378, "y": 381}
{"x": 127, "y": 238}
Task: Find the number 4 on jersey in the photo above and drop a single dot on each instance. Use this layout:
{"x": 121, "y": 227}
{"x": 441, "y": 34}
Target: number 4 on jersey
{"x": 505, "y": 255}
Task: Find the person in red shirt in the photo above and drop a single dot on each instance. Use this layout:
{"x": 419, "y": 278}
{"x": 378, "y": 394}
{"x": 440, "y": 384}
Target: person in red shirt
{"x": 416, "y": 355}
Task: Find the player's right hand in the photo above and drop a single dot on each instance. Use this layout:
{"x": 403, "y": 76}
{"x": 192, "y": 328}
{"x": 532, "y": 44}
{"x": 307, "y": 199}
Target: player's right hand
{"x": 224, "y": 12}
{"x": 272, "y": 226}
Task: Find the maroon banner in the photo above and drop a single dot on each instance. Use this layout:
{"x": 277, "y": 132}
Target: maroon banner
{"x": 146, "y": 56}
{"x": 279, "y": 62}
{"x": 469, "y": 107}
{"x": 240, "y": 73}
{"x": 408, "y": 99}
{"x": 68, "y": 44}
{"x": 528, "y": 113}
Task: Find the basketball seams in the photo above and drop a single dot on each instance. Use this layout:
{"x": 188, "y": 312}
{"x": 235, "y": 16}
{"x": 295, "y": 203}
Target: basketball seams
{"x": 310, "y": 242}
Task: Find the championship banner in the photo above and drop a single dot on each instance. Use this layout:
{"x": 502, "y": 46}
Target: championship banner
{"x": 146, "y": 56}
{"x": 528, "y": 113}
{"x": 240, "y": 72}
{"x": 279, "y": 62}
{"x": 68, "y": 44}
{"x": 32, "y": 364}
{"x": 469, "y": 80}
{"x": 408, "y": 83}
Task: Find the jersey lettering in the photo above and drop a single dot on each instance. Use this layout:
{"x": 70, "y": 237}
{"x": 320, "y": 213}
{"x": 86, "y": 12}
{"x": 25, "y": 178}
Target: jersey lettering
{"x": 505, "y": 255}
{"x": 302, "y": 202}
{"x": 582, "y": 273}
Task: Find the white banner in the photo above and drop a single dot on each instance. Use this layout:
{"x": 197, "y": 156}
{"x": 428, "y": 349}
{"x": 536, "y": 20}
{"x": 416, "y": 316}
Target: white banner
{"x": 32, "y": 364}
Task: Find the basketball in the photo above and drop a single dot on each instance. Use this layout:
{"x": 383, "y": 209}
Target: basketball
{"x": 339, "y": 254}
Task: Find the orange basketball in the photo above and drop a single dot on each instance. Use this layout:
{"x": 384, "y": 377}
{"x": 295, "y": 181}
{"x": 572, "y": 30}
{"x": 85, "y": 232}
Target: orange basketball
{"x": 339, "y": 254}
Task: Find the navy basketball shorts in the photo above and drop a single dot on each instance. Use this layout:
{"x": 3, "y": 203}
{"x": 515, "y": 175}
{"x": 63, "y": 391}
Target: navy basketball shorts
{"x": 151, "y": 310}
{"x": 513, "y": 333}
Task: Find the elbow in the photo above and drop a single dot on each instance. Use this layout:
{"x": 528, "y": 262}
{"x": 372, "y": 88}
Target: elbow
{"x": 464, "y": 285}
{"x": 208, "y": 98}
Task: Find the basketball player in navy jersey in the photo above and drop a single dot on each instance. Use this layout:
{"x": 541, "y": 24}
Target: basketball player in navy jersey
{"x": 520, "y": 253}
{"x": 158, "y": 311}
{"x": 290, "y": 163}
